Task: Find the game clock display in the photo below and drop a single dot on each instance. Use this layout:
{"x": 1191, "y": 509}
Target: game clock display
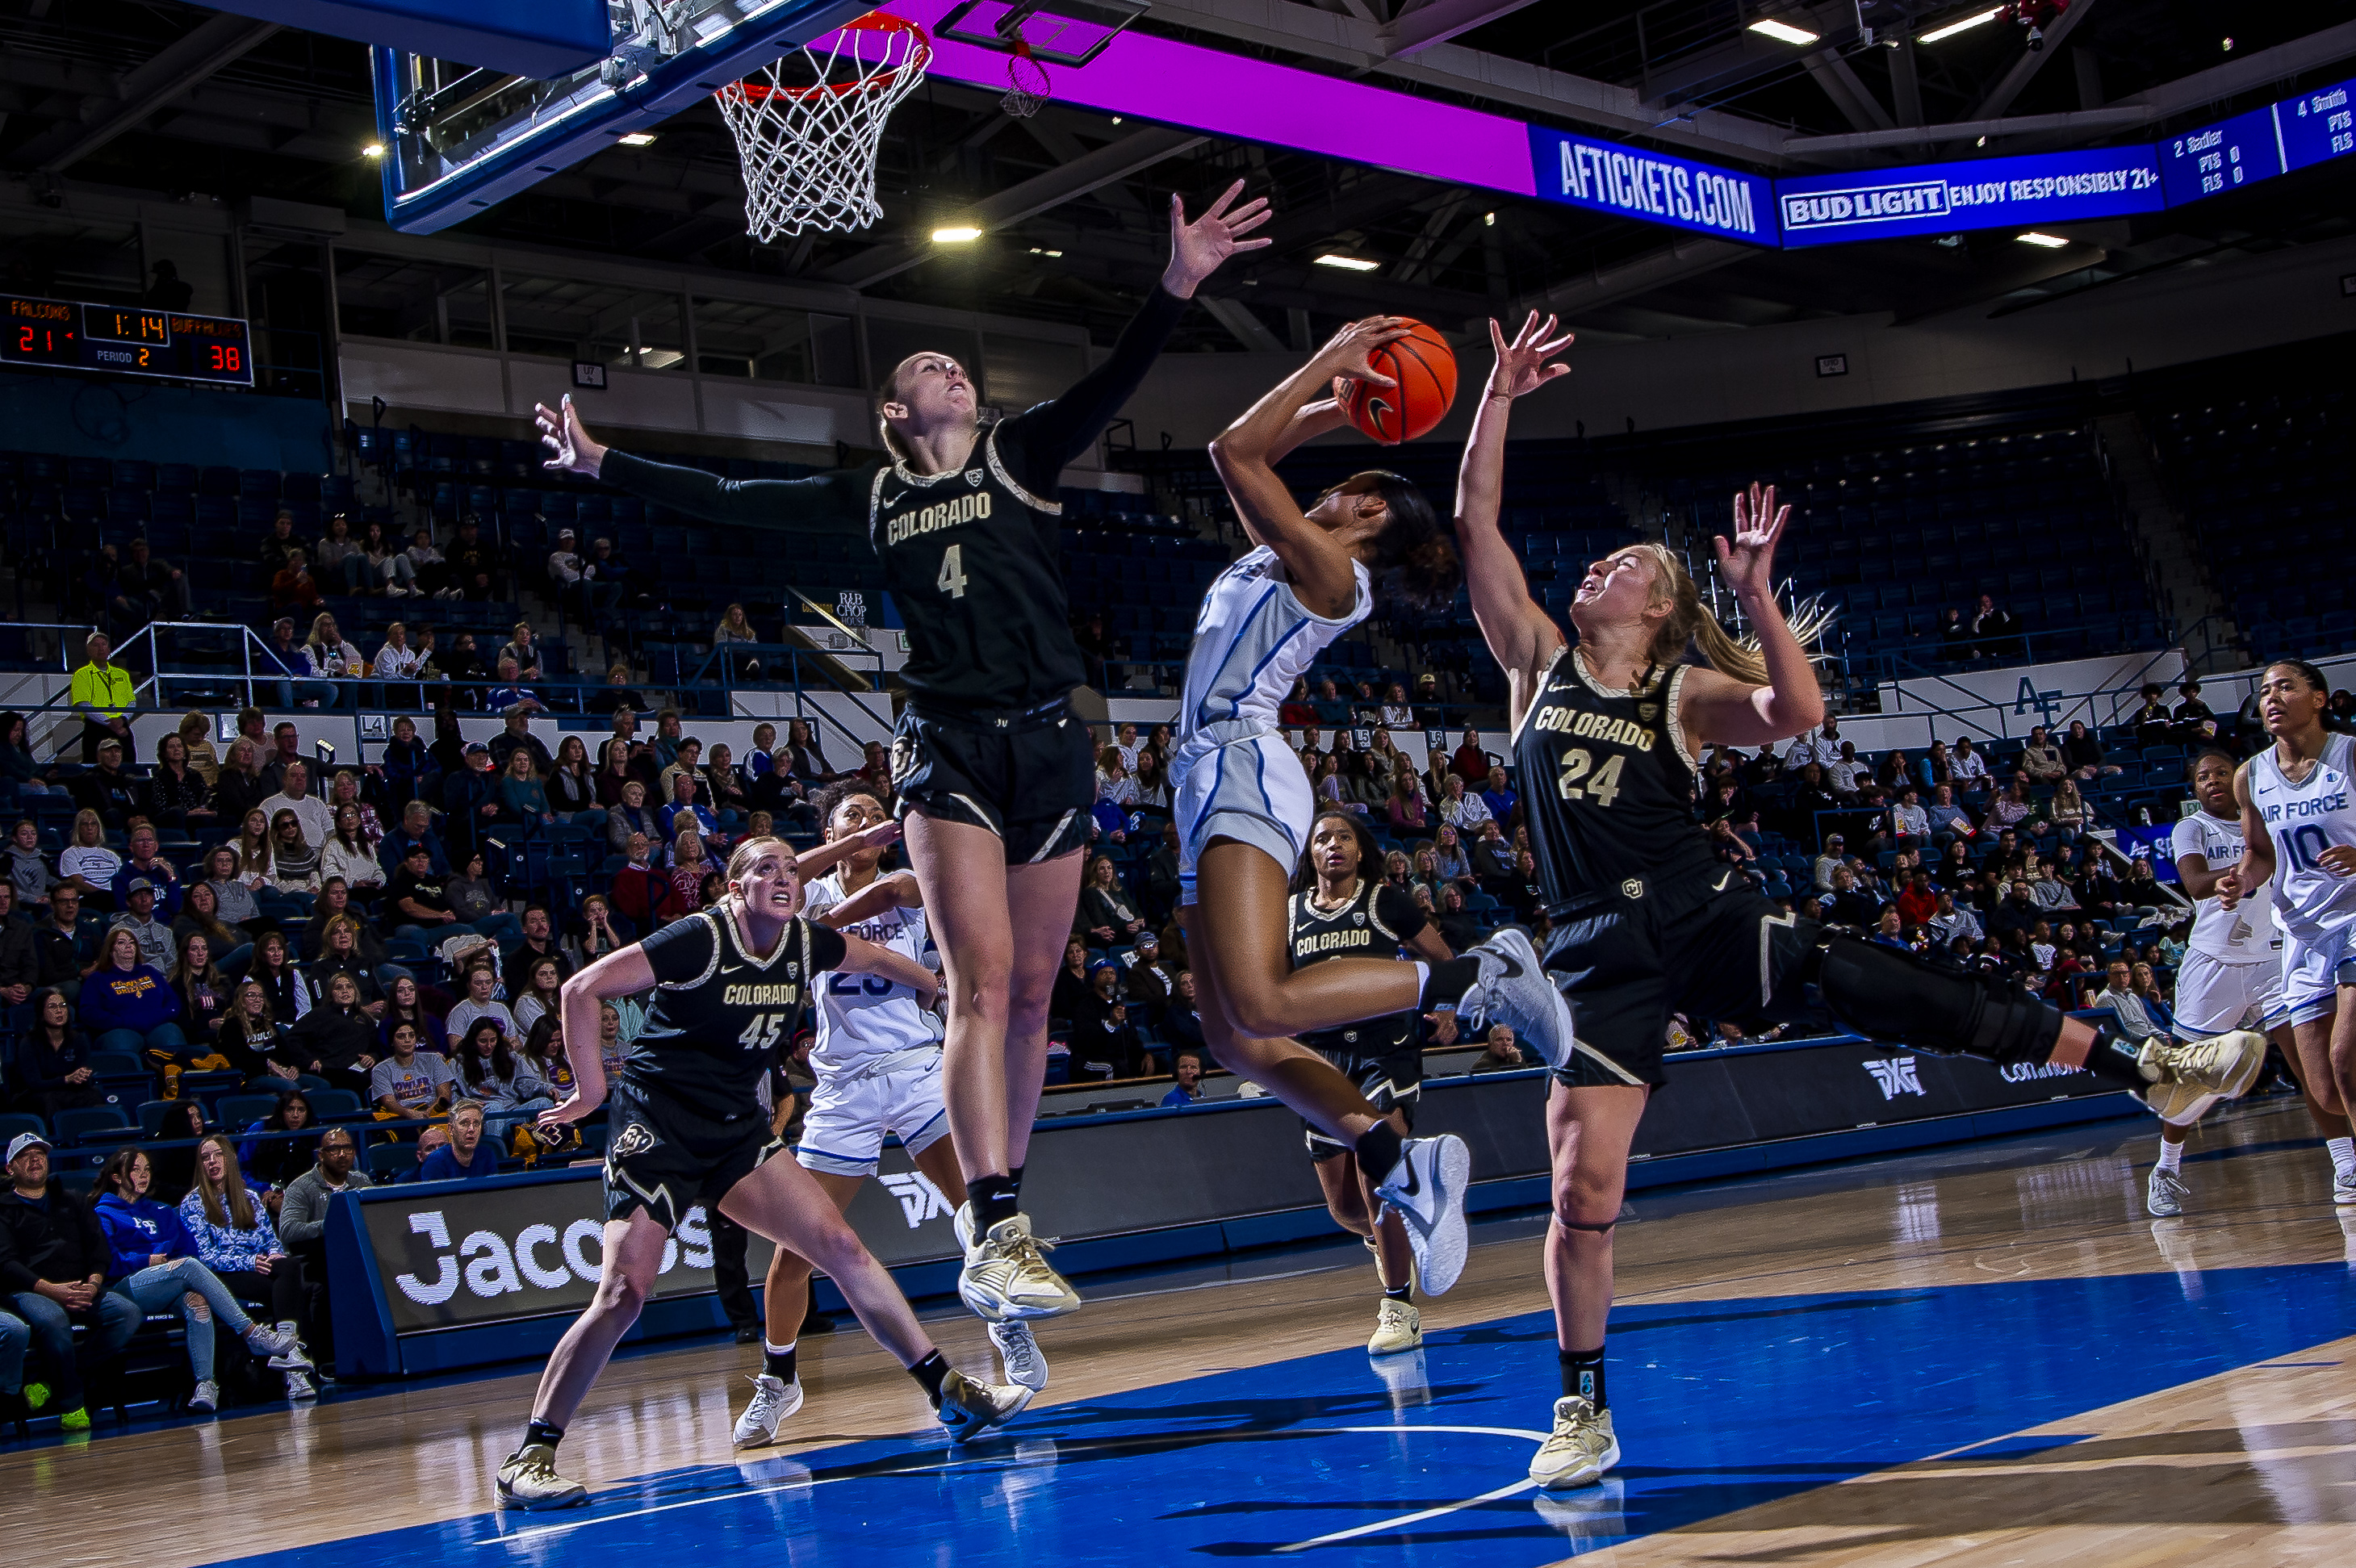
{"x": 126, "y": 340}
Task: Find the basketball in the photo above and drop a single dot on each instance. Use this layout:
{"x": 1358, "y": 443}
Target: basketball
{"x": 1424, "y": 367}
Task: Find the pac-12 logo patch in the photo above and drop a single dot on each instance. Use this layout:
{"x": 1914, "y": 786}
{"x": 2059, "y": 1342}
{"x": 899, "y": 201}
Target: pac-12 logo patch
{"x": 636, "y": 1139}
{"x": 973, "y": 478}
{"x": 1648, "y": 711}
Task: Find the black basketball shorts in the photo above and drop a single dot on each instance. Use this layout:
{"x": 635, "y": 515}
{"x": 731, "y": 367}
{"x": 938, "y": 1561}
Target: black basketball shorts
{"x": 1628, "y": 963}
{"x": 1029, "y": 777}
{"x": 665, "y": 1159}
{"x": 1391, "y": 1079}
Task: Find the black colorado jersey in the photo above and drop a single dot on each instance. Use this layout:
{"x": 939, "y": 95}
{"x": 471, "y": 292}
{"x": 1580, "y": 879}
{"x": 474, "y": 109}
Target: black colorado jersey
{"x": 1608, "y": 789}
{"x": 1377, "y": 921}
{"x": 719, "y": 1012}
{"x": 971, "y": 556}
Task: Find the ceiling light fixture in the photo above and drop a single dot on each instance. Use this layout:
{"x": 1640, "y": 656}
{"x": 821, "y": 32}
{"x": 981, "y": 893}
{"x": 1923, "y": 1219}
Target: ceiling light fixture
{"x": 1035, "y": 251}
{"x": 373, "y": 150}
{"x": 1784, "y": 33}
{"x": 2042, "y": 241}
{"x": 637, "y": 139}
{"x": 956, "y": 235}
{"x": 1348, "y": 264}
{"x": 1961, "y": 25}
{"x": 1489, "y": 219}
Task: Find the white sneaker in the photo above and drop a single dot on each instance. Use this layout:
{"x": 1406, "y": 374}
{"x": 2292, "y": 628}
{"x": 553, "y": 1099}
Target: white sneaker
{"x": 281, "y": 1344}
{"x": 1427, "y": 1188}
{"x": 206, "y": 1399}
{"x": 1018, "y": 1350}
{"x": 528, "y": 1480}
{"x": 774, "y": 1398}
{"x": 967, "y": 1408}
{"x": 2343, "y": 1188}
{"x": 1581, "y": 1446}
{"x": 299, "y": 1386}
{"x": 1006, "y": 1274}
{"x": 1398, "y": 1328}
{"x": 1515, "y": 988}
{"x": 2163, "y": 1195}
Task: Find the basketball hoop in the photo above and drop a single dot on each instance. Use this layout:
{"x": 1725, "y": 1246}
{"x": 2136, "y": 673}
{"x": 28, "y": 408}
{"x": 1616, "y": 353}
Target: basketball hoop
{"x": 1027, "y": 82}
{"x": 807, "y": 126}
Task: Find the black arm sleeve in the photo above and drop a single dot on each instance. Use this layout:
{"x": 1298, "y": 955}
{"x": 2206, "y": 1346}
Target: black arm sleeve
{"x": 827, "y": 948}
{"x": 1041, "y": 439}
{"x": 835, "y": 500}
{"x": 1401, "y": 913}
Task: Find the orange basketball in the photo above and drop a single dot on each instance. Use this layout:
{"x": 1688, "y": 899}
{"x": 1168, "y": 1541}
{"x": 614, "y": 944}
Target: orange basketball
{"x": 1424, "y": 367}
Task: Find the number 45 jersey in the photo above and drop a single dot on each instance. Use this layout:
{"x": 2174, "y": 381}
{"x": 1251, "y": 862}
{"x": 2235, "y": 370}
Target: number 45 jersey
{"x": 1608, "y": 787}
{"x": 720, "y": 1012}
{"x": 866, "y": 1017}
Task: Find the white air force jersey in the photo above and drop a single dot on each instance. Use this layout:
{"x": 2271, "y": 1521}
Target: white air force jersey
{"x": 2305, "y": 819}
{"x": 2245, "y": 933}
{"x": 1252, "y": 640}
{"x": 865, "y": 1018}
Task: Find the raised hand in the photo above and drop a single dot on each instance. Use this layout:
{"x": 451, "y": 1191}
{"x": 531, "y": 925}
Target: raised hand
{"x": 1347, "y": 355}
{"x": 567, "y": 438}
{"x": 1522, "y": 367}
{"x": 1749, "y": 563}
{"x": 1197, "y": 248}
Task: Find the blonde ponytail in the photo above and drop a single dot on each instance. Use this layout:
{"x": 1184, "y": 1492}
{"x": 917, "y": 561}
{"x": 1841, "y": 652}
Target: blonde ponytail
{"x": 1690, "y": 621}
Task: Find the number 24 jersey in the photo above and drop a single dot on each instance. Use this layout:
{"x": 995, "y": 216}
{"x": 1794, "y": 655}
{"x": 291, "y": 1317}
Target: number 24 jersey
{"x": 720, "y": 1012}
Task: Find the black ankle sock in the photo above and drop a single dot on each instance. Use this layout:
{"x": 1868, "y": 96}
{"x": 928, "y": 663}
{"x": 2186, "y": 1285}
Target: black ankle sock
{"x": 929, "y": 1372}
{"x": 539, "y": 1431}
{"x": 1016, "y": 1175}
{"x": 2113, "y": 1058}
{"x": 1378, "y": 1150}
{"x": 1582, "y": 1374}
{"x": 779, "y": 1364}
{"x": 993, "y": 1199}
{"x": 1450, "y": 978}
{"x": 1400, "y": 1291}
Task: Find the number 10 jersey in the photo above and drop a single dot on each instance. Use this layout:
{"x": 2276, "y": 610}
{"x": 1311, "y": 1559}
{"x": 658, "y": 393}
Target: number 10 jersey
{"x": 1608, "y": 787}
{"x": 720, "y": 1011}
{"x": 866, "y": 1017}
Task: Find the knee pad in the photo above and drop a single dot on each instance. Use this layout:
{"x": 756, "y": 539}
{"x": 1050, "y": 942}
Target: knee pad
{"x": 1884, "y": 994}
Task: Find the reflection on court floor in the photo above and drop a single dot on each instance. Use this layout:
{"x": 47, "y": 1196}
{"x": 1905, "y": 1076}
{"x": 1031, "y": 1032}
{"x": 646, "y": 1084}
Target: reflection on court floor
{"x": 1722, "y": 1405}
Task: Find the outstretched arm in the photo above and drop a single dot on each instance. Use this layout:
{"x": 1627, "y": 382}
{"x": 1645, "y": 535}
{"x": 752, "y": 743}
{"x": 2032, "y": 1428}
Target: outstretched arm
{"x": 880, "y": 897}
{"x": 1041, "y": 440}
{"x": 820, "y": 500}
{"x": 1720, "y": 708}
{"x": 1521, "y": 636}
{"x": 863, "y": 957}
{"x": 1318, "y": 566}
{"x": 818, "y": 862}
{"x": 610, "y": 978}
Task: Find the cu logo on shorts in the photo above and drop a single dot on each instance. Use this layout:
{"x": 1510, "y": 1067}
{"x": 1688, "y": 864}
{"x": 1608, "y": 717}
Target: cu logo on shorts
{"x": 904, "y": 758}
{"x": 1631, "y": 889}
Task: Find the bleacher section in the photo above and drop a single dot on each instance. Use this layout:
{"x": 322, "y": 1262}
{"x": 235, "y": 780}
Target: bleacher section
{"x": 2264, "y": 481}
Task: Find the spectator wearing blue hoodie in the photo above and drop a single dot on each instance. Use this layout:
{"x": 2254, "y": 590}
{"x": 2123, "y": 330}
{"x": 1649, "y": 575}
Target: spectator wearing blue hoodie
{"x": 129, "y": 1006}
{"x": 467, "y": 1156}
{"x": 152, "y": 1261}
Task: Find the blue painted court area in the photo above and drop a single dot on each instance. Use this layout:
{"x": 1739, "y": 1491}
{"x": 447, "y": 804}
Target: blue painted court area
{"x": 1334, "y": 1459}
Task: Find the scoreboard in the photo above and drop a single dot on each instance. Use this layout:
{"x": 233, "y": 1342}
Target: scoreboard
{"x": 125, "y": 340}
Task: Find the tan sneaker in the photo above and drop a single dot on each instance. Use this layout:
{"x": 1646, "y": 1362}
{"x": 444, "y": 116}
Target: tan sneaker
{"x": 1006, "y": 1272}
{"x": 2187, "y": 1079}
{"x": 1580, "y": 1447}
{"x": 968, "y": 1407}
{"x": 528, "y": 1480}
{"x": 1398, "y": 1328}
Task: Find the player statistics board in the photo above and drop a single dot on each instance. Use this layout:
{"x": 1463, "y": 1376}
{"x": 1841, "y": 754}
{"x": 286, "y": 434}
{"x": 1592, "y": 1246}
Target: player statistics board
{"x": 126, "y": 340}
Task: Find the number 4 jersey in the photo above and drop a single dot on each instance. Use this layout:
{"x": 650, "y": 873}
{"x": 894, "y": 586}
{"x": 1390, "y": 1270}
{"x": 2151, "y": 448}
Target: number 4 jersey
{"x": 720, "y": 1011}
{"x": 863, "y": 1018}
{"x": 1608, "y": 787}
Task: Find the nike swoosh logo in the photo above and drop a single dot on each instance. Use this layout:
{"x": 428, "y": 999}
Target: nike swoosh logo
{"x": 1413, "y": 1189}
{"x": 1723, "y": 878}
{"x": 1513, "y": 965}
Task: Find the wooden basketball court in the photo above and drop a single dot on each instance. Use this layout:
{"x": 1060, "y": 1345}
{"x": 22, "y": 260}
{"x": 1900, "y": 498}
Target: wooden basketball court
{"x": 1979, "y": 1354}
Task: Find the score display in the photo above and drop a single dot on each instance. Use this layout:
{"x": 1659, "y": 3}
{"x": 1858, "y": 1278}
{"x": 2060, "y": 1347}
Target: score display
{"x": 125, "y": 340}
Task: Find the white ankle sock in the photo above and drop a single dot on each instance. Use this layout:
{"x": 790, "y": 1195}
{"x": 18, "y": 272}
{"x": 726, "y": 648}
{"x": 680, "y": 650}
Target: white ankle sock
{"x": 777, "y": 1350}
{"x": 2343, "y": 1154}
{"x": 2170, "y": 1155}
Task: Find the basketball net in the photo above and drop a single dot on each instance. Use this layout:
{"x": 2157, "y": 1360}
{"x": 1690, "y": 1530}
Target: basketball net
{"x": 807, "y": 126}
{"x": 1027, "y": 79}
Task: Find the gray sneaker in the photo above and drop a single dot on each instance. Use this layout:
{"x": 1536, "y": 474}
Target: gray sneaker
{"x": 2164, "y": 1194}
{"x": 206, "y": 1399}
{"x": 1426, "y": 1189}
{"x": 1515, "y": 988}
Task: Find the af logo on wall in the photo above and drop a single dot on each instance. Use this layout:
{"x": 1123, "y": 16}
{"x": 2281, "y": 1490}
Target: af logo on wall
{"x": 1897, "y": 1075}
